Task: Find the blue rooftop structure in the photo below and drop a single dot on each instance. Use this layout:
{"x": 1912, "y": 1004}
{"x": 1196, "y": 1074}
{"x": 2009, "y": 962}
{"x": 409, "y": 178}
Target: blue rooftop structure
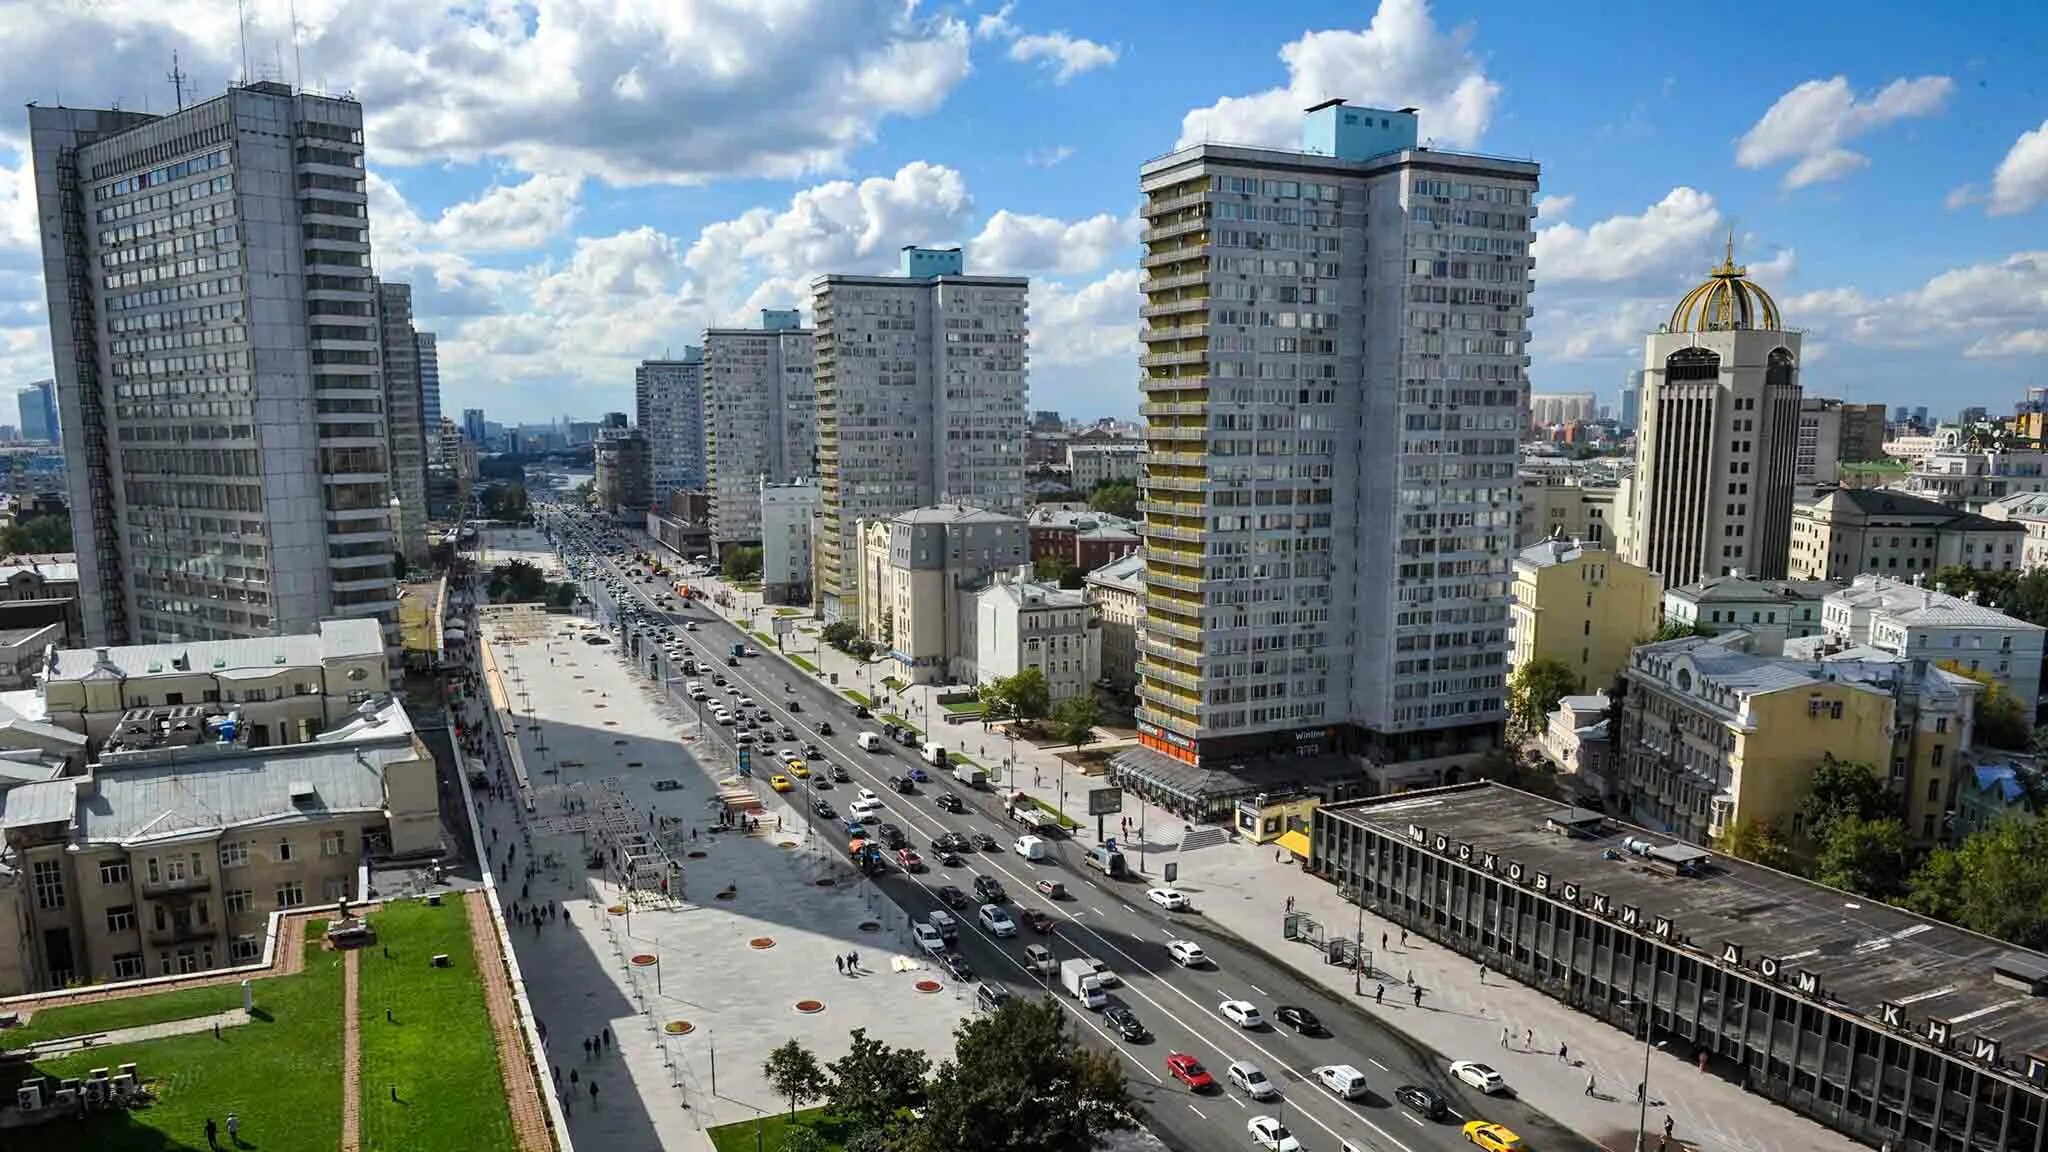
{"x": 931, "y": 263}
{"x": 1334, "y": 128}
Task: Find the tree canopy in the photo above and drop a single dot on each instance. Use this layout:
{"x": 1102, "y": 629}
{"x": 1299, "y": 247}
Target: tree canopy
{"x": 1995, "y": 882}
{"x": 37, "y": 535}
{"x": 793, "y": 1073}
{"x": 2002, "y": 721}
{"x": 873, "y": 1084}
{"x": 1841, "y": 789}
{"x": 1535, "y": 689}
{"x": 742, "y": 563}
{"x": 1025, "y": 696}
{"x": 1115, "y": 498}
{"x": 1757, "y": 841}
{"x": 1074, "y": 720}
{"x": 1871, "y": 857}
{"x": 1019, "y": 1081}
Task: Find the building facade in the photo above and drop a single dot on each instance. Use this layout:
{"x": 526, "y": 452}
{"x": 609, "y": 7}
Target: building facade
{"x": 1118, "y": 590}
{"x": 760, "y": 418}
{"x": 1772, "y": 611}
{"x": 1547, "y": 409}
{"x": 787, "y": 516}
{"x": 1567, "y": 504}
{"x": 1632, "y": 401}
{"x": 921, "y": 382}
{"x": 186, "y": 257}
{"x": 1094, "y": 462}
{"x": 919, "y": 575}
{"x": 1318, "y": 578}
{"x": 1851, "y": 531}
{"x": 670, "y": 397}
{"x": 1021, "y": 624}
{"x": 1717, "y": 453}
{"x": 624, "y": 480}
{"x": 428, "y": 349}
{"x": 1895, "y": 1030}
{"x": 1080, "y": 537}
{"x": 1582, "y": 607}
{"x": 404, "y": 410}
{"x": 2029, "y": 510}
{"x": 1915, "y": 622}
{"x": 38, "y": 404}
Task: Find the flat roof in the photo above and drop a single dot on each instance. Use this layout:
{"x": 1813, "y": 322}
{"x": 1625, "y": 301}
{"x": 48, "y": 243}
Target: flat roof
{"x": 1866, "y": 954}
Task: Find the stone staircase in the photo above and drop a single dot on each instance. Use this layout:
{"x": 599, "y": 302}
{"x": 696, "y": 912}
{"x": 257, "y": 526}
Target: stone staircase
{"x": 1206, "y": 836}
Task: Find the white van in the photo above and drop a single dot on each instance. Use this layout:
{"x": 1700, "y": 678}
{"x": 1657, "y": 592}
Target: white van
{"x": 869, "y": 742}
{"x": 1032, "y": 848}
{"x": 1342, "y": 1080}
{"x": 934, "y": 755}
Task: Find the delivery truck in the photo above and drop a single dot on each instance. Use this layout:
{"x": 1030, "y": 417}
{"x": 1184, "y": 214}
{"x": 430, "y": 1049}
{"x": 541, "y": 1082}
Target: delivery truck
{"x": 1079, "y": 979}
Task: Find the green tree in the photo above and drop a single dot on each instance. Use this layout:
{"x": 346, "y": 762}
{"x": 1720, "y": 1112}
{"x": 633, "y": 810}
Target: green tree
{"x": 995, "y": 701}
{"x": 517, "y": 582}
{"x": 505, "y": 502}
{"x": 1115, "y": 498}
{"x": 742, "y": 563}
{"x": 37, "y": 536}
{"x": 803, "y": 1138}
{"x": 1871, "y": 857}
{"x": 2002, "y": 720}
{"x": 1535, "y": 689}
{"x": 1842, "y": 789}
{"x": 873, "y": 1083}
{"x": 2028, "y": 598}
{"x": 1019, "y": 1080}
{"x": 1074, "y": 720}
{"x": 840, "y": 634}
{"x": 1995, "y": 882}
{"x": 1048, "y": 568}
{"x": 793, "y": 1073}
{"x": 1675, "y": 630}
{"x": 1506, "y": 766}
{"x": 1029, "y": 695}
{"x": 1757, "y": 841}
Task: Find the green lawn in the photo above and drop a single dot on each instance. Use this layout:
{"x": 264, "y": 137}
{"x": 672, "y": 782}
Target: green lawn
{"x": 767, "y": 1134}
{"x": 802, "y": 663}
{"x": 1066, "y": 821}
{"x": 107, "y": 1015}
{"x": 439, "y": 1052}
{"x": 892, "y": 683}
{"x": 766, "y": 640}
{"x": 964, "y": 706}
{"x": 281, "y": 1073}
{"x": 892, "y": 718}
{"x": 789, "y": 611}
{"x": 856, "y": 697}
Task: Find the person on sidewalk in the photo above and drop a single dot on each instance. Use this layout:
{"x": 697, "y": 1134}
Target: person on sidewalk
{"x": 234, "y": 1130}
{"x": 212, "y": 1135}
{"x": 1561, "y": 1054}
{"x": 1379, "y": 994}
{"x": 1589, "y": 1084}
{"x": 1503, "y": 1038}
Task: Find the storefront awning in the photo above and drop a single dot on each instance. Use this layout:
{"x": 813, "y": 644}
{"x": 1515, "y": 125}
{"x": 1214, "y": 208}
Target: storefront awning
{"x": 1295, "y": 842}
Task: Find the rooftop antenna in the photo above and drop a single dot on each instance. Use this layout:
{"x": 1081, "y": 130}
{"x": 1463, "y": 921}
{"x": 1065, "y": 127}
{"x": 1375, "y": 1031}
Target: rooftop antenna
{"x": 242, "y": 24}
{"x": 177, "y": 78}
{"x": 298, "y": 61}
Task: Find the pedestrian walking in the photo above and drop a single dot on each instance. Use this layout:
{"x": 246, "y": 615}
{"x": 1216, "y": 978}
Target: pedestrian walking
{"x": 1418, "y": 996}
{"x": 1379, "y": 994}
{"x": 234, "y": 1130}
{"x": 586, "y": 1056}
{"x": 1703, "y": 1060}
{"x": 1561, "y": 1054}
{"x": 607, "y": 1038}
{"x": 1668, "y": 1125}
{"x": 212, "y": 1134}
{"x": 853, "y": 960}
{"x": 593, "y": 1093}
{"x": 572, "y": 1075}
{"x": 1482, "y": 973}
{"x": 839, "y": 962}
{"x": 1503, "y": 1037}
{"x": 1639, "y": 1091}
{"x": 1529, "y": 1039}
{"x": 1404, "y": 937}
{"x": 1383, "y": 941}
{"x": 1589, "y": 1083}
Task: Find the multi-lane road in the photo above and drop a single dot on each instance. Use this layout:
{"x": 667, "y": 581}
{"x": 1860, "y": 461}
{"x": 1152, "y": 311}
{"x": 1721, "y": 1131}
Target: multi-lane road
{"x": 1109, "y": 920}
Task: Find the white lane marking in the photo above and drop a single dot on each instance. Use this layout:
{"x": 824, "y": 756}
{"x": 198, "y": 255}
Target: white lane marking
{"x": 1241, "y": 1104}
{"x": 1455, "y": 1114}
{"x": 1378, "y": 1065}
{"x": 1413, "y": 1120}
{"x": 1197, "y": 1111}
{"x": 1259, "y": 990}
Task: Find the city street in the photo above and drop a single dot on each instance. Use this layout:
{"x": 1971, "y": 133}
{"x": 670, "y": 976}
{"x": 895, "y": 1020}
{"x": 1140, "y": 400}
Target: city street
{"x": 1112, "y": 921}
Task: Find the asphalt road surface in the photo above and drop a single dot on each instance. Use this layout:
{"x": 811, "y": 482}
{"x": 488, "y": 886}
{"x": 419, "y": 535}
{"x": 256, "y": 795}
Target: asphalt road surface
{"x": 1112, "y": 921}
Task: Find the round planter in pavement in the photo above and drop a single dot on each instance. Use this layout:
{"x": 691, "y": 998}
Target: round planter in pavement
{"x": 810, "y": 1007}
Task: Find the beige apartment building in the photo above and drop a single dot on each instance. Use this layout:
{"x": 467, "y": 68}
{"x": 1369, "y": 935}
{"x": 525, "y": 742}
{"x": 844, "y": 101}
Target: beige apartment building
{"x": 1118, "y": 590}
{"x": 918, "y": 576}
{"x": 1853, "y": 531}
{"x": 170, "y": 852}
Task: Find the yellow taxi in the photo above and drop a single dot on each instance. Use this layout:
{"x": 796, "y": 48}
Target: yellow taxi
{"x": 1493, "y": 1137}
{"x": 798, "y": 769}
{"x": 780, "y": 783}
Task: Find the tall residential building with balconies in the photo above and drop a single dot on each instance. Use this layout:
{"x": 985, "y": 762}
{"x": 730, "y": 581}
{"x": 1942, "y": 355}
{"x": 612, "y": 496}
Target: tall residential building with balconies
{"x": 214, "y": 329}
{"x": 669, "y": 395}
{"x": 429, "y": 352}
{"x": 403, "y": 406}
{"x": 760, "y": 418}
{"x": 1335, "y": 381}
{"x": 921, "y": 381}
{"x": 1717, "y": 453}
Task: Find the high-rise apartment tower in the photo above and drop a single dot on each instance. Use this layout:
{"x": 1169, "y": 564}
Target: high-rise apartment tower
{"x": 402, "y": 417}
{"x": 214, "y": 329}
{"x": 921, "y": 383}
{"x": 760, "y": 418}
{"x": 1335, "y": 382}
{"x": 669, "y": 398}
{"x": 429, "y": 353}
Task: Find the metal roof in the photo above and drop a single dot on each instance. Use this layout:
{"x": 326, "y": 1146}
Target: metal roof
{"x": 45, "y": 803}
{"x": 358, "y": 636}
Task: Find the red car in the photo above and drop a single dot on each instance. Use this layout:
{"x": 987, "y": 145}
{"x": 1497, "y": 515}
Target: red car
{"x": 1189, "y": 1071}
{"x": 909, "y": 861}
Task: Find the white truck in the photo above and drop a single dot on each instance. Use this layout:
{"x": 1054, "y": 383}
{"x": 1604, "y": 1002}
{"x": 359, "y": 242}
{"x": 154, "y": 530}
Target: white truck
{"x": 969, "y": 775}
{"x": 934, "y": 755}
{"x": 1079, "y": 979}
{"x": 1030, "y": 816}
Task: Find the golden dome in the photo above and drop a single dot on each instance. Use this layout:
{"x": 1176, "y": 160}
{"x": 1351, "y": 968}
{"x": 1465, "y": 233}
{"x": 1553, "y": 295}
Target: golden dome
{"x": 1726, "y": 302}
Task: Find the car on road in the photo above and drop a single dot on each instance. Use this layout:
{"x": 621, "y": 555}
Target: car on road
{"x": 824, "y": 728}
{"x": 949, "y": 842}
{"x": 869, "y": 794}
{"x": 595, "y": 639}
{"x": 1189, "y": 1071}
{"x": 902, "y": 784}
{"x": 908, "y": 860}
{"x": 799, "y": 769}
{"x": 861, "y": 710}
{"x": 1036, "y": 920}
{"x": 996, "y": 920}
{"x": 1052, "y": 889}
{"x": 957, "y": 965}
{"x": 986, "y": 843}
{"x": 950, "y": 803}
{"x": 1298, "y": 1018}
{"x": 863, "y": 809}
{"x": 1479, "y": 1076}
{"x": 812, "y": 752}
{"x": 1424, "y": 1102}
{"x": 948, "y": 859}
{"x": 990, "y": 890}
{"x": 779, "y": 783}
{"x": 822, "y": 784}
{"x": 928, "y": 939}
{"x": 1038, "y": 958}
{"x": 824, "y": 810}
{"x": 1125, "y": 1022}
{"x": 892, "y": 836}
{"x": 990, "y": 997}
{"x": 1187, "y": 953}
{"x": 782, "y": 730}
{"x": 918, "y": 775}
{"x": 1269, "y": 1133}
{"x": 1171, "y": 899}
{"x": 1251, "y": 1080}
{"x": 1491, "y": 1137}
{"x": 840, "y": 775}
{"x": 1242, "y": 1013}
{"x": 1103, "y": 975}
{"x": 952, "y": 897}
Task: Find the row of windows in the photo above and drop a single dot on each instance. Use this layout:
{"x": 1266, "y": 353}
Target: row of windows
{"x": 183, "y": 268}
{"x": 198, "y": 216}
{"x": 158, "y": 177}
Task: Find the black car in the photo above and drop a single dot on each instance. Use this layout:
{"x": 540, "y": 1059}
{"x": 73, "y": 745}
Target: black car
{"x": 957, "y": 965}
{"x": 986, "y": 842}
{"x": 860, "y": 710}
{"x": 1300, "y": 1019}
{"x": 947, "y": 859}
{"x": 785, "y": 731}
{"x": 796, "y": 705}
{"x": 949, "y": 842}
{"x": 903, "y": 784}
{"x": 990, "y": 890}
{"x": 1126, "y": 1023}
{"x": 812, "y": 752}
{"x": 824, "y": 727}
{"x": 825, "y": 810}
{"x": 952, "y": 897}
{"x": 1421, "y": 1100}
{"x": 950, "y": 803}
{"x": 892, "y": 835}
{"x": 840, "y": 774}
{"x": 718, "y": 681}
{"x": 732, "y": 661}
{"x": 822, "y": 783}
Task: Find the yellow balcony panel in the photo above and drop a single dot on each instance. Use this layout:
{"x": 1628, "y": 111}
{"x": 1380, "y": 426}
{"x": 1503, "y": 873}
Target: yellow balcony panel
{"x": 1177, "y": 254}
{"x": 1179, "y": 196}
{"x": 1163, "y": 674}
{"x": 1179, "y": 307}
{"x": 1174, "y": 408}
{"x": 1157, "y": 334}
{"x": 1167, "y": 229}
{"x": 1179, "y": 278}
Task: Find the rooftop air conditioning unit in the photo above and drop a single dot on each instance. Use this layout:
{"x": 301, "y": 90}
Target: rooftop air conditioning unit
{"x": 29, "y": 1097}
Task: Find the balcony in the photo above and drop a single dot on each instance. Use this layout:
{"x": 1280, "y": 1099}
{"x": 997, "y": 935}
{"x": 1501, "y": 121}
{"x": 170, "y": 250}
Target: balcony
{"x": 1166, "y": 579}
{"x": 1180, "y": 253}
{"x": 1175, "y": 280}
{"x": 1173, "y": 228}
{"x": 1176, "y": 332}
{"x": 1195, "y": 433}
{"x": 1171, "y": 359}
{"x": 173, "y": 887}
{"x": 1175, "y": 307}
{"x": 1155, "y": 208}
{"x": 184, "y": 933}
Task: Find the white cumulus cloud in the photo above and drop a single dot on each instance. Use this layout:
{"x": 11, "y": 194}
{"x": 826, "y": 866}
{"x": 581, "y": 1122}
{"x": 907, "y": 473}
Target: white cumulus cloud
{"x": 1812, "y": 125}
{"x": 1065, "y": 56}
{"x": 1667, "y": 237}
{"x": 1015, "y": 244}
{"x": 512, "y": 216}
{"x": 1401, "y": 59}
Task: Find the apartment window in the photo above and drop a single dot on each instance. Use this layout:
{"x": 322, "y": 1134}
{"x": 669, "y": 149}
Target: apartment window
{"x": 284, "y": 851}
{"x": 113, "y": 871}
{"x": 291, "y": 894}
{"x": 335, "y": 889}
{"x": 235, "y": 855}
{"x": 121, "y": 919}
{"x": 49, "y": 884}
{"x": 1941, "y": 723}
{"x": 330, "y": 843}
{"x": 239, "y": 899}
{"x": 244, "y": 949}
{"x": 128, "y": 966}
{"x": 1940, "y": 754}
{"x": 1934, "y": 791}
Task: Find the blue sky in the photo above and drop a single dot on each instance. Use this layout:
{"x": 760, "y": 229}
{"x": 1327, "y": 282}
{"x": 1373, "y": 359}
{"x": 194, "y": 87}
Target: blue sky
{"x": 575, "y": 184}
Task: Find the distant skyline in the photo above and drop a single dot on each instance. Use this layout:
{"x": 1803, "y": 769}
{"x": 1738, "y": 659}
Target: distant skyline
{"x": 567, "y": 199}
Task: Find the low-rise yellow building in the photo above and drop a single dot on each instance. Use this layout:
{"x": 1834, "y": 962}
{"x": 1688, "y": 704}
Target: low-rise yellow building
{"x": 1580, "y": 606}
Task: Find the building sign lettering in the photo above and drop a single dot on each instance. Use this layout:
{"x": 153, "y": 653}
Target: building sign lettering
{"x": 1631, "y": 917}
{"x": 2037, "y": 1069}
{"x": 1984, "y": 1048}
{"x": 1515, "y": 871}
{"x": 1441, "y": 843}
{"x": 1490, "y": 862}
{"x": 1731, "y": 955}
{"x": 1769, "y": 968}
{"x": 1464, "y": 853}
{"x": 1664, "y": 929}
{"x": 1808, "y": 983}
{"x": 1892, "y": 1015}
{"x": 1937, "y": 1033}
{"x": 1417, "y": 834}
